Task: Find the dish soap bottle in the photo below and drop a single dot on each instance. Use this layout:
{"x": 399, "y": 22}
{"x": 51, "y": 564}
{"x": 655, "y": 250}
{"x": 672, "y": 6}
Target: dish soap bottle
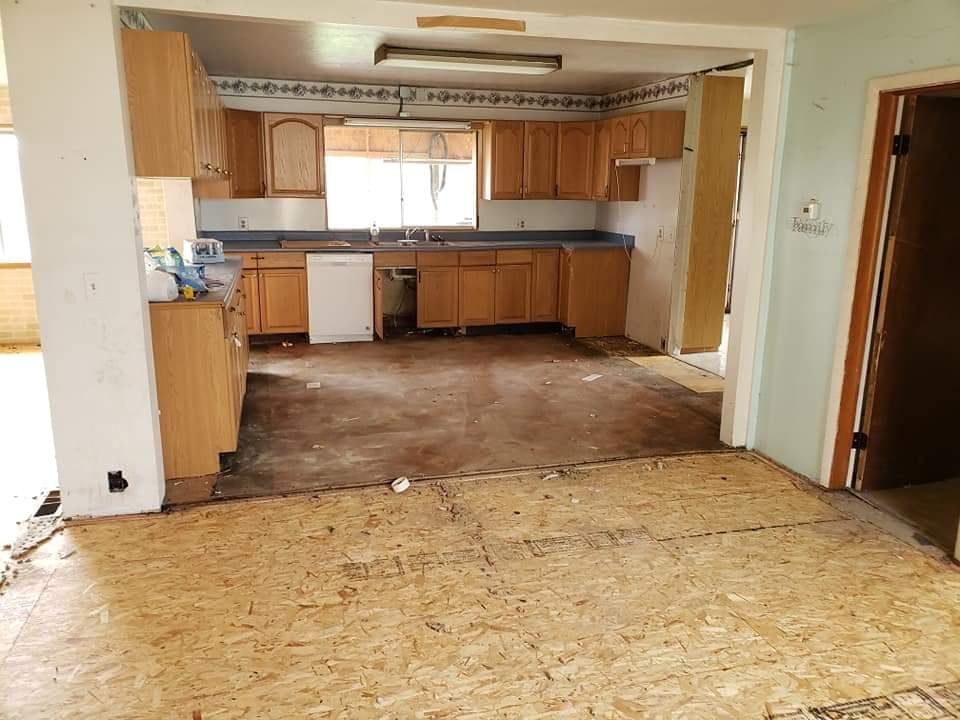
{"x": 374, "y": 232}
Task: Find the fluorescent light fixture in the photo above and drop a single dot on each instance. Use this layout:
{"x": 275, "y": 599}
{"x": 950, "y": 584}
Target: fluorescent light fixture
{"x": 403, "y": 123}
{"x": 387, "y": 56}
{"x": 627, "y": 162}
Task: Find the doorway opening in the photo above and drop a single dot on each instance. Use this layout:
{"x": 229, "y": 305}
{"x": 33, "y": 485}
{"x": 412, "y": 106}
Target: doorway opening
{"x": 906, "y": 456}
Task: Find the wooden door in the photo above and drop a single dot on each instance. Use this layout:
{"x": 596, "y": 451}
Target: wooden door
{"x": 283, "y": 301}
{"x": 539, "y": 160}
{"x": 640, "y": 135}
{"x": 477, "y": 295}
{"x": 378, "y": 303}
{"x": 600, "y": 177}
{"x": 438, "y": 297}
{"x": 293, "y": 154}
{"x": 546, "y": 286}
{"x": 575, "y": 160}
{"x": 245, "y": 153}
{"x": 513, "y": 288}
{"x": 620, "y": 128}
{"x": 913, "y": 388}
{"x": 251, "y": 296}
{"x": 503, "y": 159}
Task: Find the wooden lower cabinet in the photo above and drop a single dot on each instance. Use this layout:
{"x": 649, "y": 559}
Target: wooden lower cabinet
{"x": 593, "y": 291}
{"x": 546, "y": 281}
{"x": 251, "y": 290}
{"x": 438, "y": 297}
{"x": 513, "y": 287}
{"x": 283, "y": 300}
{"x": 477, "y": 295}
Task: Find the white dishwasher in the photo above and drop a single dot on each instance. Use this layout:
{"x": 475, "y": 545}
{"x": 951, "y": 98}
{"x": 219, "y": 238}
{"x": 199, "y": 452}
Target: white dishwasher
{"x": 340, "y": 291}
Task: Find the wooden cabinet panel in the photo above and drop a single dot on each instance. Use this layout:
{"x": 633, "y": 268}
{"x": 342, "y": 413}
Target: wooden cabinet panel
{"x": 395, "y": 259}
{"x": 251, "y": 293}
{"x": 281, "y": 259}
{"x": 293, "y": 153}
{"x": 283, "y": 301}
{"x": 666, "y": 133}
{"x": 620, "y": 136}
{"x": 540, "y": 160}
{"x": 600, "y": 178}
{"x": 477, "y": 295}
{"x": 512, "y": 294}
{"x": 575, "y": 146}
{"x": 438, "y": 297}
{"x": 378, "y": 303}
{"x": 438, "y": 259}
{"x": 546, "y": 279}
{"x": 593, "y": 291}
{"x": 478, "y": 257}
{"x": 563, "y": 302}
{"x": 640, "y": 135}
{"x": 503, "y": 160}
{"x": 514, "y": 257}
{"x": 244, "y": 131}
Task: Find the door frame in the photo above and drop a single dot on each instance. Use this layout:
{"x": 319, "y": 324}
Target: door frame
{"x": 864, "y": 253}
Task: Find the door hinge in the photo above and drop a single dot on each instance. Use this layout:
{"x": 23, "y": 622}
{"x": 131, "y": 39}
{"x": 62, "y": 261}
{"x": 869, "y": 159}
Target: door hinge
{"x": 859, "y": 441}
{"x": 901, "y": 145}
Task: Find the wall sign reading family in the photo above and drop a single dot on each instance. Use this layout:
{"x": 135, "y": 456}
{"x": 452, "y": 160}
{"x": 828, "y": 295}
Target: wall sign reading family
{"x": 814, "y": 228}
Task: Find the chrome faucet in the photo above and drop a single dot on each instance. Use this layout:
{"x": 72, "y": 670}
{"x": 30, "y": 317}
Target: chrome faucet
{"x": 409, "y": 233}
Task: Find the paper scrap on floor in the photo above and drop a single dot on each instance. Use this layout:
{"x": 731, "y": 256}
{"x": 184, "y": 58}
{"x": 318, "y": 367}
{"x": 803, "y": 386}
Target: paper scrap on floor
{"x": 591, "y": 378}
{"x": 690, "y": 377}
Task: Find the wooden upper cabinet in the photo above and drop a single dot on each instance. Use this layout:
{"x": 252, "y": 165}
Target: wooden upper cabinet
{"x": 600, "y": 177}
{"x": 477, "y": 295}
{"x": 546, "y": 285}
{"x": 244, "y": 130}
{"x": 575, "y": 145}
{"x": 656, "y": 134}
{"x": 666, "y": 133}
{"x": 640, "y": 135}
{"x": 620, "y": 136}
{"x": 503, "y": 160}
{"x": 293, "y": 154}
{"x": 540, "y": 160}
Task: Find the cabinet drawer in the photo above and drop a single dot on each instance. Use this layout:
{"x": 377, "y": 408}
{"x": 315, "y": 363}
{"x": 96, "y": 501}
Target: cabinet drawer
{"x": 249, "y": 259}
{"x": 285, "y": 259}
{"x": 394, "y": 259}
{"x": 438, "y": 259}
{"x": 507, "y": 257}
{"x": 479, "y": 257}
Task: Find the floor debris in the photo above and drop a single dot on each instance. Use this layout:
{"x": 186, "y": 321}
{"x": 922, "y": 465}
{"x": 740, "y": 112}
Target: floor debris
{"x": 592, "y": 377}
{"x": 400, "y": 484}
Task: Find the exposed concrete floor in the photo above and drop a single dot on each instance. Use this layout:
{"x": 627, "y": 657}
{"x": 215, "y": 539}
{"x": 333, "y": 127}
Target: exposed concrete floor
{"x": 426, "y": 406}
{"x": 706, "y": 587}
{"x": 933, "y": 508}
{"x": 28, "y": 469}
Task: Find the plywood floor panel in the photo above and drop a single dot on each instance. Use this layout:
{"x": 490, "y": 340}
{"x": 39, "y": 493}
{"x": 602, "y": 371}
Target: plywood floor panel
{"x": 484, "y": 598}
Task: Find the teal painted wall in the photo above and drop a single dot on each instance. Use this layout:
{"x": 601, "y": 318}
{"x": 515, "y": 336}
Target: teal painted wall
{"x": 832, "y": 65}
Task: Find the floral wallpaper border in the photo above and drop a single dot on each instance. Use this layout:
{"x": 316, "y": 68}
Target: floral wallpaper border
{"x": 354, "y": 92}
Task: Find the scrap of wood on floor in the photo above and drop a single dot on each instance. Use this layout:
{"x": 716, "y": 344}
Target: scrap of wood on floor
{"x": 692, "y": 378}
{"x": 703, "y": 586}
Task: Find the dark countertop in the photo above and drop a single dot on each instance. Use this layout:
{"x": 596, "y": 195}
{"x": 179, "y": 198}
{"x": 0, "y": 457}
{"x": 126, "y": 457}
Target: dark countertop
{"x": 366, "y": 246}
{"x": 222, "y": 278}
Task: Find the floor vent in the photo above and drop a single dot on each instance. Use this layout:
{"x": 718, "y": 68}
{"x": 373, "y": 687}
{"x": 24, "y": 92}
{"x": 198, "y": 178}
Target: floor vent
{"x": 50, "y": 504}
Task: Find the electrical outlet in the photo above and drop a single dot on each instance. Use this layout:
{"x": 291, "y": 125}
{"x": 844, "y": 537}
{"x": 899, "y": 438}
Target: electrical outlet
{"x": 659, "y": 233}
{"x": 243, "y": 223}
{"x": 116, "y": 482}
{"x": 91, "y": 285}
{"x": 521, "y": 223}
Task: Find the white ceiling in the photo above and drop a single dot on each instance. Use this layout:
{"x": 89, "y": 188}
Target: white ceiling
{"x": 336, "y": 53}
{"x": 761, "y": 13}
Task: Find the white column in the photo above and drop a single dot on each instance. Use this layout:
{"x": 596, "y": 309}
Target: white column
{"x": 69, "y": 107}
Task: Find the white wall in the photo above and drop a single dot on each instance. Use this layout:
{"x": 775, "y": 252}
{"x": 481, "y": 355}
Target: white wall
{"x": 651, "y": 262}
{"x": 303, "y": 214}
{"x": 824, "y": 128}
{"x": 76, "y": 165}
{"x": 178, "y": 202}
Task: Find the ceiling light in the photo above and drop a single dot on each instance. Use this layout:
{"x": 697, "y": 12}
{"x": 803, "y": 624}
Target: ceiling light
{"x": 387, "y": 56}
{"x": 403, "y": 123}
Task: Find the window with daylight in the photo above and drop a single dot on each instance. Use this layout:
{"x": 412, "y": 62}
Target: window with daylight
{"x": 400, "y": 178}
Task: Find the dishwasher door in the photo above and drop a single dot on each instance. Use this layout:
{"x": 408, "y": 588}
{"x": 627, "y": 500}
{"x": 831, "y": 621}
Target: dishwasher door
{"x": 340, "y": 291}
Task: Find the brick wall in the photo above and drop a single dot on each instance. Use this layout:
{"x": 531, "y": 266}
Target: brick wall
{"x": 18, "y": 309}
{"x": 153, "y": 211}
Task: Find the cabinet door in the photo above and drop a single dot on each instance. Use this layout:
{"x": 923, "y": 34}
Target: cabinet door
{"x": 251, "y": 296}
{"x": 293, "y": 149}
{"x": 504, "y": 162}
{"x": 437, "y": 297}
{"x": 477, "y": 295}
{"x": 378, "y": 303}
{"x": 283, "y": 301}
{"x": 600, "y": 186}
{"x": 513, "y": 294}
{"x": 620, "y": 136}
{"x": 546, "y": 285}
{"x": 245, "y": 153}
{"x": 540, "y": 160}
{"x": 575, "y": 160}
{"x": 640, "y": 135}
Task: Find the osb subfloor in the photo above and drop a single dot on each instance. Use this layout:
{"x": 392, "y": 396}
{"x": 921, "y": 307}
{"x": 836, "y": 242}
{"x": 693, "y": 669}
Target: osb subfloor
{"x": 933, "y": 508}
{"x": 705, "y": 586}
{"x": 427, "y": 406}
